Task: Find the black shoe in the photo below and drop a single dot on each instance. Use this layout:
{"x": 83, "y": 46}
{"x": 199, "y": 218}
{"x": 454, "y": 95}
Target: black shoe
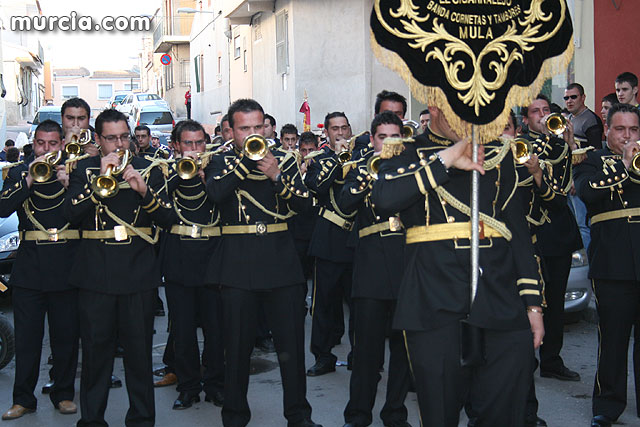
{"x": 601, "y": 421}
{"x": 266, "y": 345}
{"x": 217, "y": 398}
{"x": 115, "y": 382}
{"x": 537, "y": 422}
{"x": 562, "y": 373}
{"x": 185, "y": 400}
{"x": 47, "y": 387}
{"x": 321, "y": 368}
{"x": 304, "y": 423}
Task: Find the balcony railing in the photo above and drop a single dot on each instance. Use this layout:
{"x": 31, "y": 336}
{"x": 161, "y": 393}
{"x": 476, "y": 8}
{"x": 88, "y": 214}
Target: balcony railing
{"x": 170, "y": 31}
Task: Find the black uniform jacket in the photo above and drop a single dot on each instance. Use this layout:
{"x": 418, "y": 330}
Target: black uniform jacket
{"x": 106, "y": 265}
{"x": 42, "y": 265}
{"x": 325, "y": 179}
{"x": 185, "y": 258}
{"x": 153, "y": 152}
{"x": 608, "y": 189}
{"x": 377, "y": 264}
{"x": 247, "y": 197}
{"x": 435, "y": 288}
{"x": 550, "y": 218}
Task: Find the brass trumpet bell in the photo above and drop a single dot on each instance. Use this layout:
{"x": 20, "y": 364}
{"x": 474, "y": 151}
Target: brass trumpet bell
{"x": 410, "y": 128}
{"x": 42, "y": 171}
{"x": 256, "y": 147}
{"x": 556, "y": 124}
{"x": 107, "y": 185}
{"x": 524, "y": 149}
{"x": 635, "y": 162}
{"x": 344, "y": 156}
{"x": 75, "y": 147}
{"x": 373, "y": 166}
{"x": 187, "y": 168}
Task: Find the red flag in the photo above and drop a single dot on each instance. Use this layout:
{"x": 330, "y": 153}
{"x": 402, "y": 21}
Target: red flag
{"x": 307, "y": 116}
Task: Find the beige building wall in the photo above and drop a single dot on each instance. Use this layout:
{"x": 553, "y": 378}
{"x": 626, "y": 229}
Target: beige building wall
{"x": 87, "y": 89}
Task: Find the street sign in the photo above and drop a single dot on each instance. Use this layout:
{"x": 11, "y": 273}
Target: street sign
{"x": 165, "y": 59}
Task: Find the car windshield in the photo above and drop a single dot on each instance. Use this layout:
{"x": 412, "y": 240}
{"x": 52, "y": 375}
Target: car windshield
{"x": 156, "y": 118}
{"x": 41, "y": 116}
{"x": 148, "y": 97}
{"x": 118, "y": 99}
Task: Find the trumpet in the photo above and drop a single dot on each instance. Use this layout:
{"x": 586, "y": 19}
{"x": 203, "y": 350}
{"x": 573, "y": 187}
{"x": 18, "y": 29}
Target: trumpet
{"x": 556, "y": 124}
{"x": 524, "y": 149}
{"x": 106, "y": 185}
{"x": 42, "y": 171}
{"x": 344, "y": 156}
{"x": 256, "y": 147}
{"x": 188, "y": 167}
{"x": 75, "y": 146}
{"x": 373, "y": 166}
{"x": 410, "y": 128}
{"x": 634, "y": 166}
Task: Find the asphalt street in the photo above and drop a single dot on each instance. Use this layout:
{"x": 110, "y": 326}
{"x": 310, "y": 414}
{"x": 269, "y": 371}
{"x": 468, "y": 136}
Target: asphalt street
{"x": 563, "y": 404}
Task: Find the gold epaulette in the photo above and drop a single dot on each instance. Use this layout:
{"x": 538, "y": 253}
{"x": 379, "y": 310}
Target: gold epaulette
{"x": 579, "y": 155}
{"x": 313, "y": 154}
{"x": 6, "y": 168}
{"x": 393, "y": 147}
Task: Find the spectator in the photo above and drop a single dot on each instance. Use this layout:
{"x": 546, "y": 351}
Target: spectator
{"x": 424, "y": 119}
{"x": 13, "y": 155}
{"x": 289, "y": 135}
{"x": 26, "y": 151}
{"x": 587, "y": 126}
{"x": 8, "y": 144}
{"x": 627, "y": 88}
{"x": 607, "y": 102}
{"x": 269, "y": 129}
{"x": 187, "y": 102}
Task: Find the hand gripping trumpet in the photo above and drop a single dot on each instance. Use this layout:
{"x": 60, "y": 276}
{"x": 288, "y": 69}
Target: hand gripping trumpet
{"x": 75, "y": 147}
{"x": 107, "y": 185}
{"x": 42, "y": 171}
{"x": 187, "y": 167}
{"x": 523, "y": 150}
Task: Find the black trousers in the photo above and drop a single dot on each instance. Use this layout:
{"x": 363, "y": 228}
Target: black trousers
{"x": 29, "y": 309}
{"x": 128, "y": 317}
{"x": 496, "y": 392}
{"x": 188, "y": 305}
{"x": 332, "y": 283}
{"x": 285, "y": 313}
{"x": 556, "y": 273}
{"x": 618, "y": 304}
{"x": 371, "y": 319}
{"x": 188, "y": 105}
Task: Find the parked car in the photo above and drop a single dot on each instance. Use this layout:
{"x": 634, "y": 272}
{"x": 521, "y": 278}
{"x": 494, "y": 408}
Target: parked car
{"x": 117, "y": 97}
{"x": 49, "y": 112}
{"x": 160, "y": 121}
{"x": 133, "y": 102}
{"x": 579, "y": 291}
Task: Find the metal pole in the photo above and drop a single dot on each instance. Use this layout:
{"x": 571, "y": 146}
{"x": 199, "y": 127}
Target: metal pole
{"x": 475, "y": 237}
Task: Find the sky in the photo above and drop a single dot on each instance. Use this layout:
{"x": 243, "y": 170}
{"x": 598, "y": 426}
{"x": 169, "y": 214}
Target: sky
{"x": 95, "y": 50}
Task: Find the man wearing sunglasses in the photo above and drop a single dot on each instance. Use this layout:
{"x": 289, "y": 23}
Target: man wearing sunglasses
{"x": 587, "y": 126}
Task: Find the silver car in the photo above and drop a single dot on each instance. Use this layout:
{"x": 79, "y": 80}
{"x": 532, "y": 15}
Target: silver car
{"x": 160, "y": 121}
{"x": 579, "y": 290}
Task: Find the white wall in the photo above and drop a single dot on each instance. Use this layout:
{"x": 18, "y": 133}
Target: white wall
{"x": 584, "y": 58}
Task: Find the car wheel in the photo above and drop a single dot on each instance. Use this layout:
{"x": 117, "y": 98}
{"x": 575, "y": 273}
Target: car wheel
{"x": 7, "y": 341}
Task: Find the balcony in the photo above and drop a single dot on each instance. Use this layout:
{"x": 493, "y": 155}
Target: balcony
{"x": 240, "y": 12}
{"x": 171, "y": 31}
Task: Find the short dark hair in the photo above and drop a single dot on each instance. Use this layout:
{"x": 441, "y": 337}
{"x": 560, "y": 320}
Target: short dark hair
{"x": 610, "y": 98}
{"x": 224, "y": 118}
{"x": 76, "y": 103}
{"x": 109, "y": 115}
{"x": 187, "y": 126}
{"x": 308, "y": 138}
{"x": 424, "y": 112}
{"x": 271, "y": 119}
{"x": 333, "y": 116}
{"x": 525, "y": 110}
{"x": 9, "y": 143}
{"x": 628, "y": 77}
{"x": 27, "y": 150}
{"x": 13, "y": 154}
{"x": 622, "y": 108}
{"x": 244, "y": 105}
{"x": 48, "y": 126}
{"x": 385, "y": 95}
{"x": 288, "y": 128}
{"x": 141, "y": 128}
{"x": 576, "y": 86}
{"x": 385, "y": 118}
{"x": 217, "y": 130}
{"x": 514, "y": 119}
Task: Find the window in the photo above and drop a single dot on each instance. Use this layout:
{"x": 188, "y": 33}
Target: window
{"x": 69, "y": 92}
{"x": 236, "y": 47}
{"x": 105, "y": 91}
{"x": 282, "y": 42}
{"x": 156, "y": 118}
{"x": 184, "y": 73}
{"x": 257, "y": 28}
{"x": 129, "y": 86}
{"x": 168, "y": 76}
{"x": 246, "y": 66}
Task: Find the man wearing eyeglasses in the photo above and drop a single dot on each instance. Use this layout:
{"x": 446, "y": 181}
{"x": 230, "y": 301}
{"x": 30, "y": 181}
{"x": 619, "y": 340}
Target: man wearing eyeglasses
{"x": 193, "y": 237}
{"x": 116, "y": 270}
{"x": 587, "y": 126}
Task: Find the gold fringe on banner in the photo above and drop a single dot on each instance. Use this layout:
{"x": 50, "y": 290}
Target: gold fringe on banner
{"x": 434, "y": 96}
